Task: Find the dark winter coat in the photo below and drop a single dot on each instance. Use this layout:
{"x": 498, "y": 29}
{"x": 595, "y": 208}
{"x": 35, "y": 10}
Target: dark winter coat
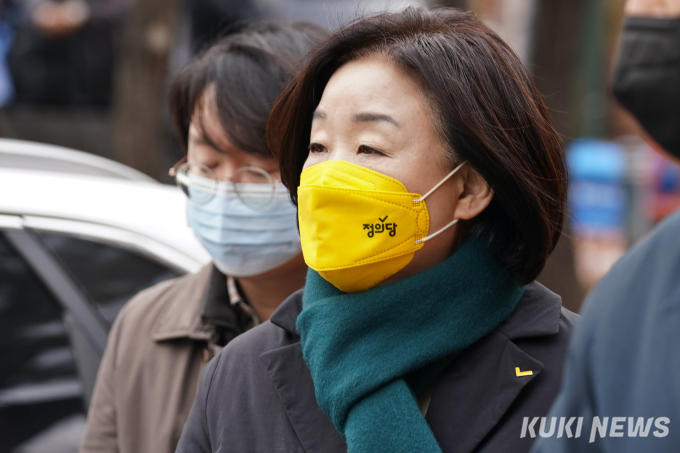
{"x": 257, "y": 395}
{"x": 624, "y": 361}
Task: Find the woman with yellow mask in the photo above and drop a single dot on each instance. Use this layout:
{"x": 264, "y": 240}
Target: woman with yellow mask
{"x": 430, "y": 188}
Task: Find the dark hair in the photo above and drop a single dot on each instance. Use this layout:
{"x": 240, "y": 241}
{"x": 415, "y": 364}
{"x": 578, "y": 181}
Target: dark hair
{"x": 247, "y": 70}
{"x": 485, "y": 106}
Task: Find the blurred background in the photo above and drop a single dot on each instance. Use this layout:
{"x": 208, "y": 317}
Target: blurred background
{"x": 86, "y": 225}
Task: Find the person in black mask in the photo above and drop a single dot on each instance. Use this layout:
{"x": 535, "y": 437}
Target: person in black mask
{"x": 621, "y": 384}
{"x": 647, "y": 77}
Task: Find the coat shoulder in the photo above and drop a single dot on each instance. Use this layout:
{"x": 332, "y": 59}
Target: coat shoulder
{"x": 642, "y": 281}
{"x": 138, "y": 321}
{"x": 149, "y": 304}
{"x": 513, "y": 373}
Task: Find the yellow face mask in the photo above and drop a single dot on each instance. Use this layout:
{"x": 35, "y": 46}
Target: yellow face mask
{"x": 357, "y": 226}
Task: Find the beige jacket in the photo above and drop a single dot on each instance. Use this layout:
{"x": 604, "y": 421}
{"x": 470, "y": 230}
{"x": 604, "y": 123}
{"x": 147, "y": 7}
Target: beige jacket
{"x": 148, "y": 376}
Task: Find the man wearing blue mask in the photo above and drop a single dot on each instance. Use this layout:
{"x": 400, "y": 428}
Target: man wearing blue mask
{"x": 243, "y": 216}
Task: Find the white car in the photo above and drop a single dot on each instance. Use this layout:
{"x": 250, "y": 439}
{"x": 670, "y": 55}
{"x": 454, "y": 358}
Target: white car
{"x": 79, "y": 235}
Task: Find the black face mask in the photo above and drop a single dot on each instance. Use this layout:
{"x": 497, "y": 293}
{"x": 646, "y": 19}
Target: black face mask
{"x": 647, "y": 77}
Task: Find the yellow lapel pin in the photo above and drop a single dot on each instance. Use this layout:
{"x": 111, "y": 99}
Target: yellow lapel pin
{"x": 523, "y": 373}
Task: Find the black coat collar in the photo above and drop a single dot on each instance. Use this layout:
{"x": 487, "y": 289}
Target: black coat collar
{"x": 536, "y": 315}
{"x": 286, "y": 315}
{"x": 481, "y": 384}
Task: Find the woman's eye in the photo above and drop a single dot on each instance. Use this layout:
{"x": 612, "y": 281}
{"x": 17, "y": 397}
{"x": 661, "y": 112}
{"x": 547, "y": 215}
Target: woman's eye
{"x": 316, "y": 148}
{"x": 365, "y": 149}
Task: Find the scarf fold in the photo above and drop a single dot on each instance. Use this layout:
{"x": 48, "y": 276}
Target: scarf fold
{"x": 372, "y": 354}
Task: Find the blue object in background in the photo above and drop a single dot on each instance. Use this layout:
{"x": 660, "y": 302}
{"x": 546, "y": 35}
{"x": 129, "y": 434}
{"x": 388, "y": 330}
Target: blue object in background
{"x": 6, "y": 86}
{"x": 669, "y": 178}
{"x": 597, "y": 196}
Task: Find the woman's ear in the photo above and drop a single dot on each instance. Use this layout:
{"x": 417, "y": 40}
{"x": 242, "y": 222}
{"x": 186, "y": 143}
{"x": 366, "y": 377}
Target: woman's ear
{"x": 475, "y": 197}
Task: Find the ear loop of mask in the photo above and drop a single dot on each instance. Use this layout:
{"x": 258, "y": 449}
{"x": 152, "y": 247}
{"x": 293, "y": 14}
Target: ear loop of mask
{"x": 418, "y": 200}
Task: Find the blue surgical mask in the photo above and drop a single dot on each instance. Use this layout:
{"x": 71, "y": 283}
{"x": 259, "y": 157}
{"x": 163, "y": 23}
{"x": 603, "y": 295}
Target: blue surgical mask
{"x": 244, "y": 241}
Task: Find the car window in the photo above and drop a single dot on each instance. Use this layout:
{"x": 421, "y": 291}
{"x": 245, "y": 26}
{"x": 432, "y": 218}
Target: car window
{"x": 109, "y": 276}
{"x": 41, "y": 397}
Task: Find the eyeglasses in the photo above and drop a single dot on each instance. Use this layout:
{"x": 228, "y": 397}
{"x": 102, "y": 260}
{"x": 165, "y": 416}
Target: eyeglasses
{"x": 252, "y": 185}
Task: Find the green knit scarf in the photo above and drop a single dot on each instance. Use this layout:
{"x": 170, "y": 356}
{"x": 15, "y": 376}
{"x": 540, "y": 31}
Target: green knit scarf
{"x": 372, "y": 354}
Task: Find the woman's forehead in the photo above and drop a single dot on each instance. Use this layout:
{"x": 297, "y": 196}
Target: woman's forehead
{"x": 374, "y": 94}
{"x": 372, "y": 82}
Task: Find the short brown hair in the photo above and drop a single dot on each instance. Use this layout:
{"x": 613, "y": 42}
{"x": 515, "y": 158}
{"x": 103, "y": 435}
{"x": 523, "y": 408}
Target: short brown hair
{"x": 486, "y": 108}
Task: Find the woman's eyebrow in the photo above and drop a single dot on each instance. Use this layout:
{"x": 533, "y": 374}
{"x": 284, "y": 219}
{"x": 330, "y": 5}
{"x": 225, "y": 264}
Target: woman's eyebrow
{"x": 364, "y": 117}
